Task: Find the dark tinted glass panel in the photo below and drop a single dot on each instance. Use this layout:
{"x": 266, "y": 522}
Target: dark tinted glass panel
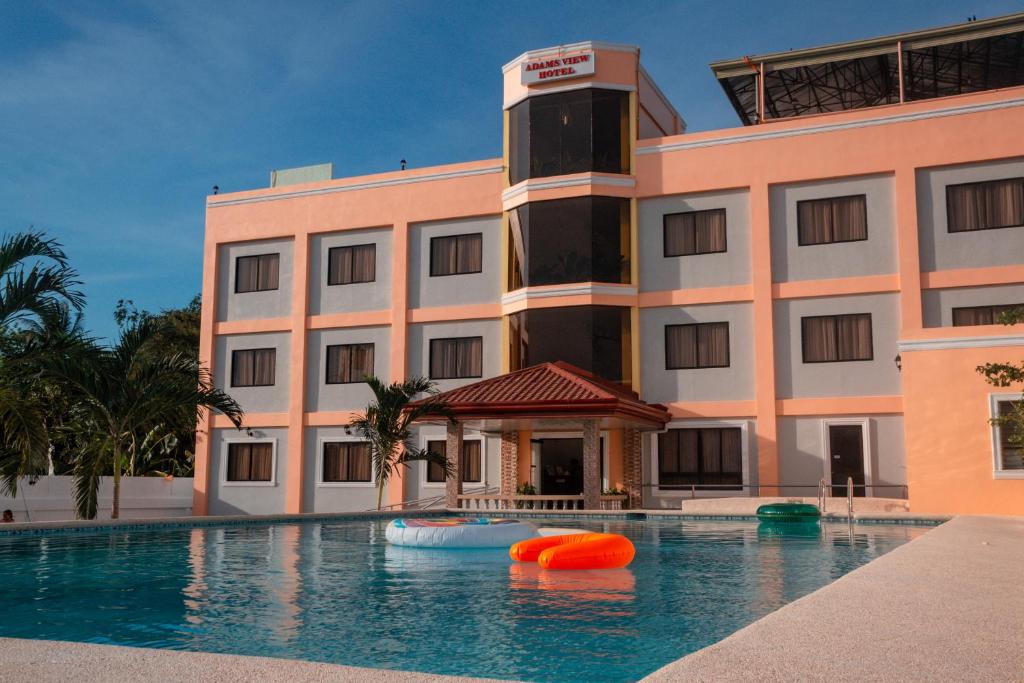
{"x": 834, "y": 338}
{"x": 594, "y": 338}
{"x": 570, "y": 132}
{"x": 583, "y": 239}
{"x": 253, "y": 367}
{"x": 257, "y": 273}
{"x": 711, "y": 458}
{"x": 250, "y": 462}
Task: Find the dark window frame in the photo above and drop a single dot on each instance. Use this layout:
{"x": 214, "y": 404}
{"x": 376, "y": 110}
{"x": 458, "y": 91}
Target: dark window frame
{"x": 664, "y": 234}
{"x": 430, "y": 356}
{"x": 351, "y": 249}
{"x": 259, "y": 264}
{"x": 700, "y": 461}
{"x": 949, "y": 228}
{"x": 232, "y": 446}
{"x": 327, "y": 362}
{"x": 991, "y": 307}
{"x": 803, "y": 338}
{"x": 433, "y": 273}
{"x": 867, "y": 232}
{"x": 234, "y": 359}
{"x": 346, "y": 444}
{"x": 696, "y": 354}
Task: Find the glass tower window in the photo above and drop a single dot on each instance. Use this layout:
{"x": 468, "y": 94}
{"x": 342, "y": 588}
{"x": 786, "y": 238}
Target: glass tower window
{"x": 594, "y": 338}
{"x": 582, "y": 239}
{"x": 569, "y": 132}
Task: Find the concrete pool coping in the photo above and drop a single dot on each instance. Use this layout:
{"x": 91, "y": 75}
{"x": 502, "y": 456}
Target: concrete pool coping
{"x": 944, "y": 606}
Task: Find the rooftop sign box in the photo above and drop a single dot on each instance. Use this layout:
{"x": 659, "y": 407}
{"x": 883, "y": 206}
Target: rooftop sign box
{"x": 544, "y": 69}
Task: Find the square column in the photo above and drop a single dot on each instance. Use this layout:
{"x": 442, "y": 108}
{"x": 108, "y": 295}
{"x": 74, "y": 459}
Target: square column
{"x": 453, "y": 454}
{"x": 509, "y": 463}
{"x": 632, "y": 467}
{"x": 591, "y": 466}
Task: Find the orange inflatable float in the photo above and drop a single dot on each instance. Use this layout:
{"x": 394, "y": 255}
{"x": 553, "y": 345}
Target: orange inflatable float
{"x": 575, "y": 551}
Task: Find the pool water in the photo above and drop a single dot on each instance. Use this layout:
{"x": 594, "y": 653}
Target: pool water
{"x": 337, "y": 592}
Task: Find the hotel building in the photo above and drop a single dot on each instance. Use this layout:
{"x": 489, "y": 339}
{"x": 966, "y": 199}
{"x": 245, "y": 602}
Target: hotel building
{"x": 616, "y": 303}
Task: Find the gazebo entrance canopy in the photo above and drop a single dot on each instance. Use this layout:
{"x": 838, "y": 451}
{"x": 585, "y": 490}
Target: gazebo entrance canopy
{"x": 551, "y": 397}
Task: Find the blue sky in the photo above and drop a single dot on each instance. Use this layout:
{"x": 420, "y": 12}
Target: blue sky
{"x": 116, "y": 119}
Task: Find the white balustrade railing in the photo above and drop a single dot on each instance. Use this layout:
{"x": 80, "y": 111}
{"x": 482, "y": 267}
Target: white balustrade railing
{"x": 486, "y": 501}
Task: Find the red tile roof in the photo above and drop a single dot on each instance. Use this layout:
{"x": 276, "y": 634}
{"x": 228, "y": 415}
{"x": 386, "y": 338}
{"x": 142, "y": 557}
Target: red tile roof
{"x": 549, "y": 389}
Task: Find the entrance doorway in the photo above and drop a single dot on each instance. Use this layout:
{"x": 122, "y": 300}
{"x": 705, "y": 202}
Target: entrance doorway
{"x": 561, "y": 467}
{"x": 846, "y": 457}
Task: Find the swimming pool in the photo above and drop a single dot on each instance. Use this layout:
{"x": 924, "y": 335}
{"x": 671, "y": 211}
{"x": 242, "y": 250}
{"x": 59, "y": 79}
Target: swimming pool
{"x": 335, "y": 591}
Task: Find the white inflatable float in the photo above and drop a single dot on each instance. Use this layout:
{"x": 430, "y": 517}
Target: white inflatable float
{"x": 459, "y": 532}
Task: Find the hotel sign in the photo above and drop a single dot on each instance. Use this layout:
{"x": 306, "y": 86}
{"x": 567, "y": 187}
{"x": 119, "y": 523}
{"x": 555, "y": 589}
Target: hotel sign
{"x": 558, "y": 68}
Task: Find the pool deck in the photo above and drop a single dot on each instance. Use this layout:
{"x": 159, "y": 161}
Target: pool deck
{"x": 946, "y": 606}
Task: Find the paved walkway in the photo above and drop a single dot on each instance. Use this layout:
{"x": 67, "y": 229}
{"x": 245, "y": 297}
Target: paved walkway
{"x": 948, "y": 606}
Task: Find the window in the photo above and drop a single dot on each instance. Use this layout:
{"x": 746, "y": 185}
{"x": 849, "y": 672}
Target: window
{"x": 1009, "y": 444}
{"x": 253, "y": 367}
{"x": 981, "y": 315}
{"x": 346, "y": 461}
{"x": 836, "y": 219}
{"x": 349, "y": 363}
{"x": 456, "y": 254}
{"x": 256, "y": 273}
{"x": 694, "y": 232}
{"x": 594, "y": 338}
{"x": 711, "y": 457}
{"x": 471, "y": 454}
{"x": 349, "y": 265}
{"x": 700, "y": 345}
{"x": 456, "y": 358}
{"x": 250, "y": 462}
{"x": 985, "y": 206}
{"x": 833, "y": 338}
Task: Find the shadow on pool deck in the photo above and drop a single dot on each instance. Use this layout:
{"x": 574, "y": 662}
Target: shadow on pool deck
{"x": 947, "y": 606}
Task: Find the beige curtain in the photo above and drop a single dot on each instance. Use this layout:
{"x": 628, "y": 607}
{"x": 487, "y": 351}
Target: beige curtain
{"x": 246, "y": 274}
{"x": 253, "y": 367}
{"x": 819, "y": 339}
{"x": 837, "y": 338}
{"x": 854, "y": 335}
{"x": 349, "y": 265}
{"x": 348, "y": 363}
{"x": 269, "y": 266}
{"x": 471, "y": 461}
{"x": 346, "y": 461}
{"x": 985, "y": 205}
{"x": 443, "y": 256}
{"x": 834, "y": 219}
{"x": 694, "y": 232}
{"x": 710, "y": 452}
{"x": 250, "y": 462}
{"x": 713, "y": 345}
{"x": 680, "y": 347}
{"x": 455, "y": 358}
{"x": 470, "y": 253}
{"x": 364, "y": 263}
{"x": 732, "y": 452}
{"x": 264, "y": 365}
{"x": 702, "y": 345}
{"x": 435, "y": 472}
{"x": 978, "y": 315}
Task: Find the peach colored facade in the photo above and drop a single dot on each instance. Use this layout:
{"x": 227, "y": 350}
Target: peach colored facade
{"x": 924, "y": 426}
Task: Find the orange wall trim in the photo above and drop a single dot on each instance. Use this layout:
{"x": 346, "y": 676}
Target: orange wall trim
{"x": 806, "y": 289}
{"x": 840, "y": 405}
{"x": 973, "y": 277}
{"x": 956, "y": 335}
{"x": 253, "y": 326}
{"x": 703, "y": 295}
{"x": 351, "y": 319}
{"x": 208, "y": 311}
{"x": 445, "y": 313}
{"x": 691, "y": 409}
{"x": 332, "y": 418}
{"x": 253, "y": 420}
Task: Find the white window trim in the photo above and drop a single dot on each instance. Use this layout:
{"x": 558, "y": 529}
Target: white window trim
{"x": 865, "y": 435}
{"x": 225, "y": 447}
{"x": 424, "y": 438}
{"x": 745, "y": 434}
{"x": 320, "y": 483}
{"x": 997, "y": 451}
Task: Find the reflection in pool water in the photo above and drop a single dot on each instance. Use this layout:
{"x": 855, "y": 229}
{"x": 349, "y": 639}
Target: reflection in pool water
{"x": 336, "y": 592}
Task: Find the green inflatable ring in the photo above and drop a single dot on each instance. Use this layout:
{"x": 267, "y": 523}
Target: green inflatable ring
{"x": 788, "y": 512}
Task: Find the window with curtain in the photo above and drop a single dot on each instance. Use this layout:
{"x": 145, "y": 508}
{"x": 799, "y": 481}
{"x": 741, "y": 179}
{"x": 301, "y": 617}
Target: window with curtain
{"x": 830, "y": 220}
{"x": 250, "y": 462}
{"x": 456, "y": 254}
{"x": 1011, "y": 453}
{"x": 700, "y": 345}
{"x": 349, "y": 265}
{"x": 346, "y": 461}
{"x": 349, "y": 363}
{"x": 456, "y": 358}
{"x": 834, "y": 338}
{"x": 257, "y": 273}
{"x": 710, "y": 457}
{"x": 253, "y": 367}
{"x": 471, "y": 463}
{"x": 985, "y": 206}
{"x": 981, "y": 315}
{"x": 694, "y": 232}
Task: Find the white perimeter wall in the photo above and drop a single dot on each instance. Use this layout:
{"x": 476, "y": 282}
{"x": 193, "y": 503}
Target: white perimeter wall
{"x": 53, "y": 498}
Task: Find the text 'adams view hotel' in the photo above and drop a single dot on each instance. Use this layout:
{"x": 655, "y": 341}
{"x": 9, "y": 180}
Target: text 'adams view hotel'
{"x": 619, "y": 304}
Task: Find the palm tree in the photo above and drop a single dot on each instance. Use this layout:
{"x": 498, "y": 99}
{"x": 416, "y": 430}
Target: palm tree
{"x": 125, "y": 397}
{"x": 38, "y": 293}
{"x": 387, "y": 426}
